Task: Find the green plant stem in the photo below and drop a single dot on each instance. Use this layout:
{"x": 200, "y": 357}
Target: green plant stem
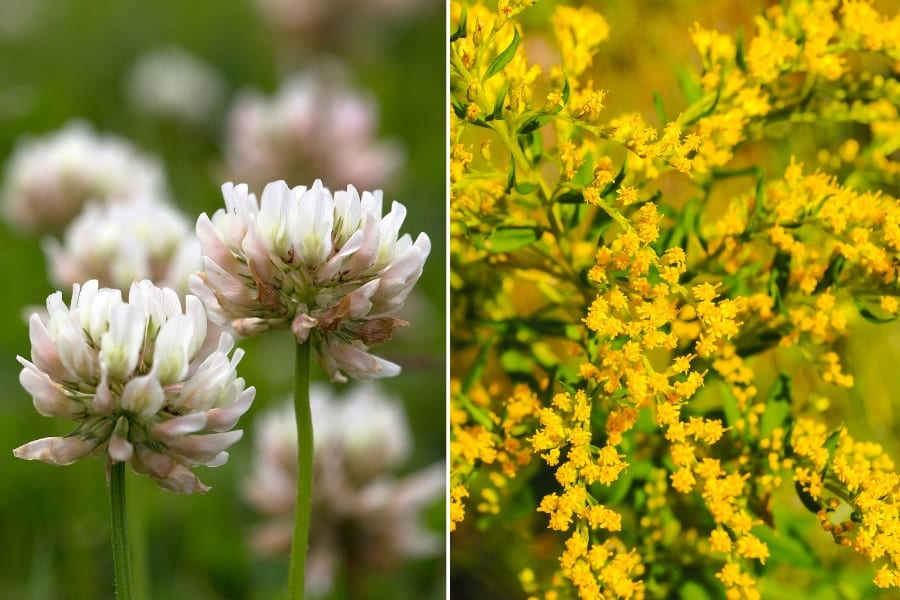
{"x": 121, "y": 555}
{"x": 296, "y": 577}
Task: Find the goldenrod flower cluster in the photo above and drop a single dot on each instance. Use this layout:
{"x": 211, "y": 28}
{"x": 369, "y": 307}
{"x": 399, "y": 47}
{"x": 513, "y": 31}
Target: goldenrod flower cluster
{"x": 650, "y": 320}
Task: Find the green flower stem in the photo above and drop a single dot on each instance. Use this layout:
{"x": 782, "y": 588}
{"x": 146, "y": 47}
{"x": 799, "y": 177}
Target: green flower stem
{"x": 121, "y": 556}
{"x": 296, "y": 577}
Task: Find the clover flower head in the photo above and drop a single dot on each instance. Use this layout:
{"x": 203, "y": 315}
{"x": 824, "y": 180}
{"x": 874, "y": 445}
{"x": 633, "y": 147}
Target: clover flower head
{"x": 171, "y": 82}
{"x": 118, "y": 244}
{"x": 316, "y": 125}
{"x": 361, "y": 437}
{"x": 50, "y": 179}
{"x": 134, "y": 377}
{"x": 330, "y": 267}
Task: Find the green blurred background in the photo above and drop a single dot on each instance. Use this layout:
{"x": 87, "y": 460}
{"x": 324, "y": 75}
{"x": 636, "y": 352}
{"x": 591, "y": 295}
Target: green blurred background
{"x": 61, "y": 60}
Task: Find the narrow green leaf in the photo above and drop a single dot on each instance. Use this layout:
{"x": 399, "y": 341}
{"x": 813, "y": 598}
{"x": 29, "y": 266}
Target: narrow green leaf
{"x": 511, "y": 177}
{"x": 660, "y": 109}
{"x": 478, "y": 366}
{"x": 689, "y": 120}
{"x": 565, "y": 98}
{"x": 811, "y": 504}
{"x": 869, "y": 316}
{"x": 534, "y": 123}
{"x": 503, "y": 58}
{"x": 463, "y": 20}
{"x": 778, "y": 278}
{"x": 739, "y": 51}
{"x": 496, "y": 113}
{"x": 730, "y": 407}
{"x": 690, "y": 88}
{"x": 778, "y": 405}
{"x": 585, "y": 173}
{"x": 614, "y": 185}
{"x": 536, "y": 150}
{"x": 481, "y": 416}
{"x": 459, "y": 108}
{"x": 832, "y": 274}
{"x": 570, "y": 197}
{"x": 832, "y": 440}
{"x": 788, "y": 446}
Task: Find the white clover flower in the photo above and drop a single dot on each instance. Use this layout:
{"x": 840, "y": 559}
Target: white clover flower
{"x": 171, "y": 82}
{"x": 133, "y": 376}
{"x": 118, "y": 244}
{"x": 331, "y": 268}
{"x": 49, "y": 179}
{"x": 314, "y": 126}
{"x": 361, "y": 437}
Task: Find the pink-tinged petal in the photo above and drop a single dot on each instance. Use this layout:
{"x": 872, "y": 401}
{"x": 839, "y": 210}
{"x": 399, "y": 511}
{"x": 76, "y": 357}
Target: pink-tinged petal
{"x": 252, "y": 326}
{"x": 360, "y": 299}
{"x": 120, "y": 450}
{"x": 220, "y": 459}
{"x": 76, "y": 355}
{"x": 179, "y": 426}
{"x": 201, "y": 449}
{"x": 167, "y": 472}
{"x": 214, "y": 310}
{"x": 212, "y": 245}
{"x": 302, "y": 325}
{"x": 223, "y": 419}
{"x": 44, "y": 353}
{"x": 364, "y": 257}
{"x": 49, "y": 397}
{"x": 337, "y": 356}
{"x": 58, "y": 451}
{"x": 102, "y": 403}
{"x": 231, "y": 291}
{"x": 398, "y": 279}
{"x": 258, "y": 258}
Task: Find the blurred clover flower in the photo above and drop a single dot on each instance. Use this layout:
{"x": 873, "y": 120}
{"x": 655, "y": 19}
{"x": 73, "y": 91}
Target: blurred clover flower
{"x": 171, "y": 82}
{"x": 133, "y": 376}
{"x": 316, "y": 125}
{"x": 329, "y": 267}
{"x": 319, "y": 23}
{"x": 49, "y": 179}
{"x": 361, "y": 437}
{"x": 118, "y": 244}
